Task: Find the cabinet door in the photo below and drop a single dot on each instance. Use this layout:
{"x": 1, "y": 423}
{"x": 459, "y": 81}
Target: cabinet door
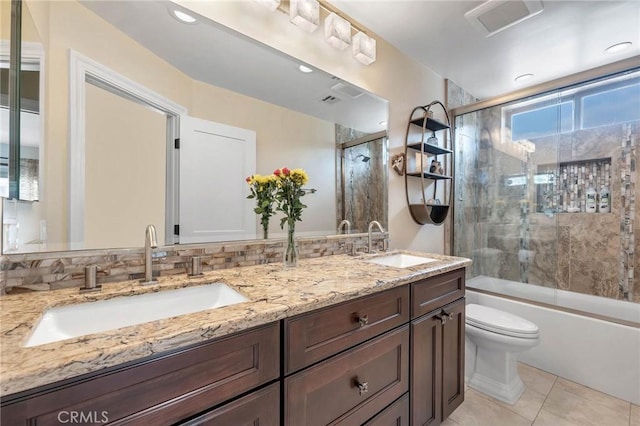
{"x": 426, "y": 371}
{"x": 352, "y": 387}
{"x": 258, "y": 408}
{"x": 453, "y": 358}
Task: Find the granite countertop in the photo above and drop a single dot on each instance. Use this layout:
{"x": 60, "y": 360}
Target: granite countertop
{"x": 274, "y": 293}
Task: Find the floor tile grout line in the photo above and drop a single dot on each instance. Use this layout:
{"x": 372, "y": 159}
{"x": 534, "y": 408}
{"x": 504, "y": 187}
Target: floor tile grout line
{"x": 555, "y": 380}
{"x": 497, "y": 403}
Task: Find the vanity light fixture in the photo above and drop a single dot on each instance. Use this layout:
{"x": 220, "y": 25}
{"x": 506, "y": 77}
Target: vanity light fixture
{"x": 523, "y": 77}
{"x": 305, "y": 14}
{"x": 364, "y": 48}
{"x": 305, "y": 69}
{"x": 272, "y": 5}
{"x": 183, "y": 17}
{"x": 337, "y": 31}
{"x": 618, "y": 47}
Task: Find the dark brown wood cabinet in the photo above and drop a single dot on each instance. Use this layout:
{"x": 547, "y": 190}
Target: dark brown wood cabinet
{"x": 352, "y": 387}
{"x": 437, "y": 358}
{"x": 161, "y": 390}
{"x": 390, "y": 358}
{"x": 397, "y": 414}
{"x": 259, "y": 408}
{"x": 319, "y": 334}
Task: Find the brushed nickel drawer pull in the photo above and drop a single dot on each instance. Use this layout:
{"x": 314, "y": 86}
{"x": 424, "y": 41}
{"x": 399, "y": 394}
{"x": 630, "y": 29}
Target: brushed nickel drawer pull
{"x": 363, "y": 387}
{"x": 363, "y": 320}
{"x": 442, "y": 318}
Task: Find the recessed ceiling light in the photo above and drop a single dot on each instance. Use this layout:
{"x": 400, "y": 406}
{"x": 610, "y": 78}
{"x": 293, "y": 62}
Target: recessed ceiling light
{"x": 618, "y": 47}
{"x": 183, "y": 17}
{"x": 383, "y": 123}
{"x": 305, "y": 69}
{"x": 522, "y": 77}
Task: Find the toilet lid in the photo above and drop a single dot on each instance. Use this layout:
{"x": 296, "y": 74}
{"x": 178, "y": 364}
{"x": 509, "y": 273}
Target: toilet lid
{"x": 499, "y": 322}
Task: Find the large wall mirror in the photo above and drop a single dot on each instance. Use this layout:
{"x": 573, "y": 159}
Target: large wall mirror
{"x": 151, "y": 120}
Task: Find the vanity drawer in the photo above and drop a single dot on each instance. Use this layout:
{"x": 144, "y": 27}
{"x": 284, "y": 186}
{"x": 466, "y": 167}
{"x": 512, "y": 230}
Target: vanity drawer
{"x": 352, "y": 387}
{"x": 161, "y": 390}
{"x": 397, "y": 414}
{"x": 317, "y": 335}
{"x": 431, "y": 293}
{"x": 258, "y": 408}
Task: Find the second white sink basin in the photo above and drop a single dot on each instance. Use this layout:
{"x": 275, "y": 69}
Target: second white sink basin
{"x": 66, "y": 322}
{"x": 401, "y": 260}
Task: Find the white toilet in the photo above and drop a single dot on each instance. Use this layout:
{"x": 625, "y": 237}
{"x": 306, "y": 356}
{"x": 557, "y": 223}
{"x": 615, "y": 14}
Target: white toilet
{"x": 493, "y": 339}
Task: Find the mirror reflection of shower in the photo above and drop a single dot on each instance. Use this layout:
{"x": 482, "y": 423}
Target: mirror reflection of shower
{"x": 364, "y": 168}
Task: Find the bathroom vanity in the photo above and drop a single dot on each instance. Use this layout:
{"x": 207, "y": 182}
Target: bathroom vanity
{"x": 338, "y": 340}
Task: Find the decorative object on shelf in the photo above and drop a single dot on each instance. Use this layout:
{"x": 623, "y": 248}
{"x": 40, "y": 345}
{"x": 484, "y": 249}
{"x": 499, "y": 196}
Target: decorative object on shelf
{"x": 431, "y": 210}
{"x": 288, "y": 193}
{"x": 263, "y": 189}
{"x": 436, "y": 167}
{"x": 397, "y": 163}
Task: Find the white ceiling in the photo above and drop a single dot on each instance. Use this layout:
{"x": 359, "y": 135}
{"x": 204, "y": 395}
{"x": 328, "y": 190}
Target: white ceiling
{"x": 565, "y": 38}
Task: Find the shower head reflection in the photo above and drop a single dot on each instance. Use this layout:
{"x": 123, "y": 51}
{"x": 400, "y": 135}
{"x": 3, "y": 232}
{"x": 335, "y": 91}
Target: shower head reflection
{"x": 365, "y": 159}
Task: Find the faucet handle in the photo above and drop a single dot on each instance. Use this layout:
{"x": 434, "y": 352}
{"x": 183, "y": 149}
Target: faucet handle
{"x": 196, "y": 266}
{"x": 90, "y": 279}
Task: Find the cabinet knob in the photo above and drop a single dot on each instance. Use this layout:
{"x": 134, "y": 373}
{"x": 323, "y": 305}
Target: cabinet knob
{"x": 363, "y": 387}
{"x": 363, "y": 320}
{"x": 442, "y": 318}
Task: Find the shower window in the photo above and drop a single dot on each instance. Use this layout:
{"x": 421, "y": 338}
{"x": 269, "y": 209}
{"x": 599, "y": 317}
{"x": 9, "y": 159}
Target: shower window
{"x": 541, "y": 120}
{"x": 610, "y": 106}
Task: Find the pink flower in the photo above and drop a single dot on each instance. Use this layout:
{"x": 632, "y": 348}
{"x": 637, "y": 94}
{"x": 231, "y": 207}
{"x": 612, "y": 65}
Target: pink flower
{"x": 286, "y": 171}
{"x": 277, "y": 172}
{"x": 248, "y": 179}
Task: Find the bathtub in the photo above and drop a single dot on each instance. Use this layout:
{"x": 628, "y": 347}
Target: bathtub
{"x": 590, "y": 340}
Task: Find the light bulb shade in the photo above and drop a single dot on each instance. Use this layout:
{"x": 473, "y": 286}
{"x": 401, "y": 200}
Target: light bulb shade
{"x": 337, "y": 31}
{"x": 305, "y": 14}
{"x": 272, "y": 5}
{"x": 364, "y": 48}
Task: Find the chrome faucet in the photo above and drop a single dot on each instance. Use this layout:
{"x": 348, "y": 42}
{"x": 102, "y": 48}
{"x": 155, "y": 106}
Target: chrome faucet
{"x": 150, "y": 242}
{"x": 371, "y": 225}
{"x": 347, "y": 226}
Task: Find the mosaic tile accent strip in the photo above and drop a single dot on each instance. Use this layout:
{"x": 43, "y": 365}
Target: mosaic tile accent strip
{"x": 56, "y": 270}
{"x": 628, "y": 175}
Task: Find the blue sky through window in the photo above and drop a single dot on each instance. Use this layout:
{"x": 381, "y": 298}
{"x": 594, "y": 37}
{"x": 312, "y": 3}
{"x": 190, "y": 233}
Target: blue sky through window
{"x": 545, "y": 121}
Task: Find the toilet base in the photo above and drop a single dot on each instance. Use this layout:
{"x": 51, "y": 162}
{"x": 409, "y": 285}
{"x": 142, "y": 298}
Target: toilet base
{"x": 496, "y": 374}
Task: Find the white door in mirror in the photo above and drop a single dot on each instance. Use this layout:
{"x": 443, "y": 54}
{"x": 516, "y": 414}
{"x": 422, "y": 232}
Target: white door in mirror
{"x": 215, "y": 159}
{"x": 66, "y": 322}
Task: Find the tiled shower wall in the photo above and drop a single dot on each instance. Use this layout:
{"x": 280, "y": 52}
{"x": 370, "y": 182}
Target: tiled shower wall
{"x": 499, "y": 226}
{"x": 50, "y": 271}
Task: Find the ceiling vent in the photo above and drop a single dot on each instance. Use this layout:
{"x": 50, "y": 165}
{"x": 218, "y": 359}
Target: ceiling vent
{"x": 347, "y": 90}
{"x": 329, "y": 100}
{"x": 493, "y": 16}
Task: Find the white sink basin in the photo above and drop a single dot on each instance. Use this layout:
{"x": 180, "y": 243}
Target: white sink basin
{"x": 66, "y": 322}
{"x": 401, "y": 260}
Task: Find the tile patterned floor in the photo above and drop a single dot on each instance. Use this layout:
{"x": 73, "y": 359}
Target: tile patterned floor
{"x": 548, "y": 400}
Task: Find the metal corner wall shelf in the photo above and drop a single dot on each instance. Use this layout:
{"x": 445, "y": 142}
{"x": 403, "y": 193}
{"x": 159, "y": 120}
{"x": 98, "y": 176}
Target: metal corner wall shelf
{"x": 424, "y": 211}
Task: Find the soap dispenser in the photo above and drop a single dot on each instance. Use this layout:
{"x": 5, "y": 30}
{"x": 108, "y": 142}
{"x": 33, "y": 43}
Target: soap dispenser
{"x": 591, "y": 203}
{"x": 605, "y": 200}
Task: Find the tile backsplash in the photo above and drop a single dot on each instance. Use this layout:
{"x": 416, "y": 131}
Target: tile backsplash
{"x": 55, "y": 270}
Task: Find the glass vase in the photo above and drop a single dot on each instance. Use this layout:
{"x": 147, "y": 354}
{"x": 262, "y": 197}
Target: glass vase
{"x": 265, "y": 230}
{"x": 291, "y": 249}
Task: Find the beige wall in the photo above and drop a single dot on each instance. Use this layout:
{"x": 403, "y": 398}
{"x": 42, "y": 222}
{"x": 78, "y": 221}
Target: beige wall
{"x": 394, "y": 76}
{"x": 125, "y": 193}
